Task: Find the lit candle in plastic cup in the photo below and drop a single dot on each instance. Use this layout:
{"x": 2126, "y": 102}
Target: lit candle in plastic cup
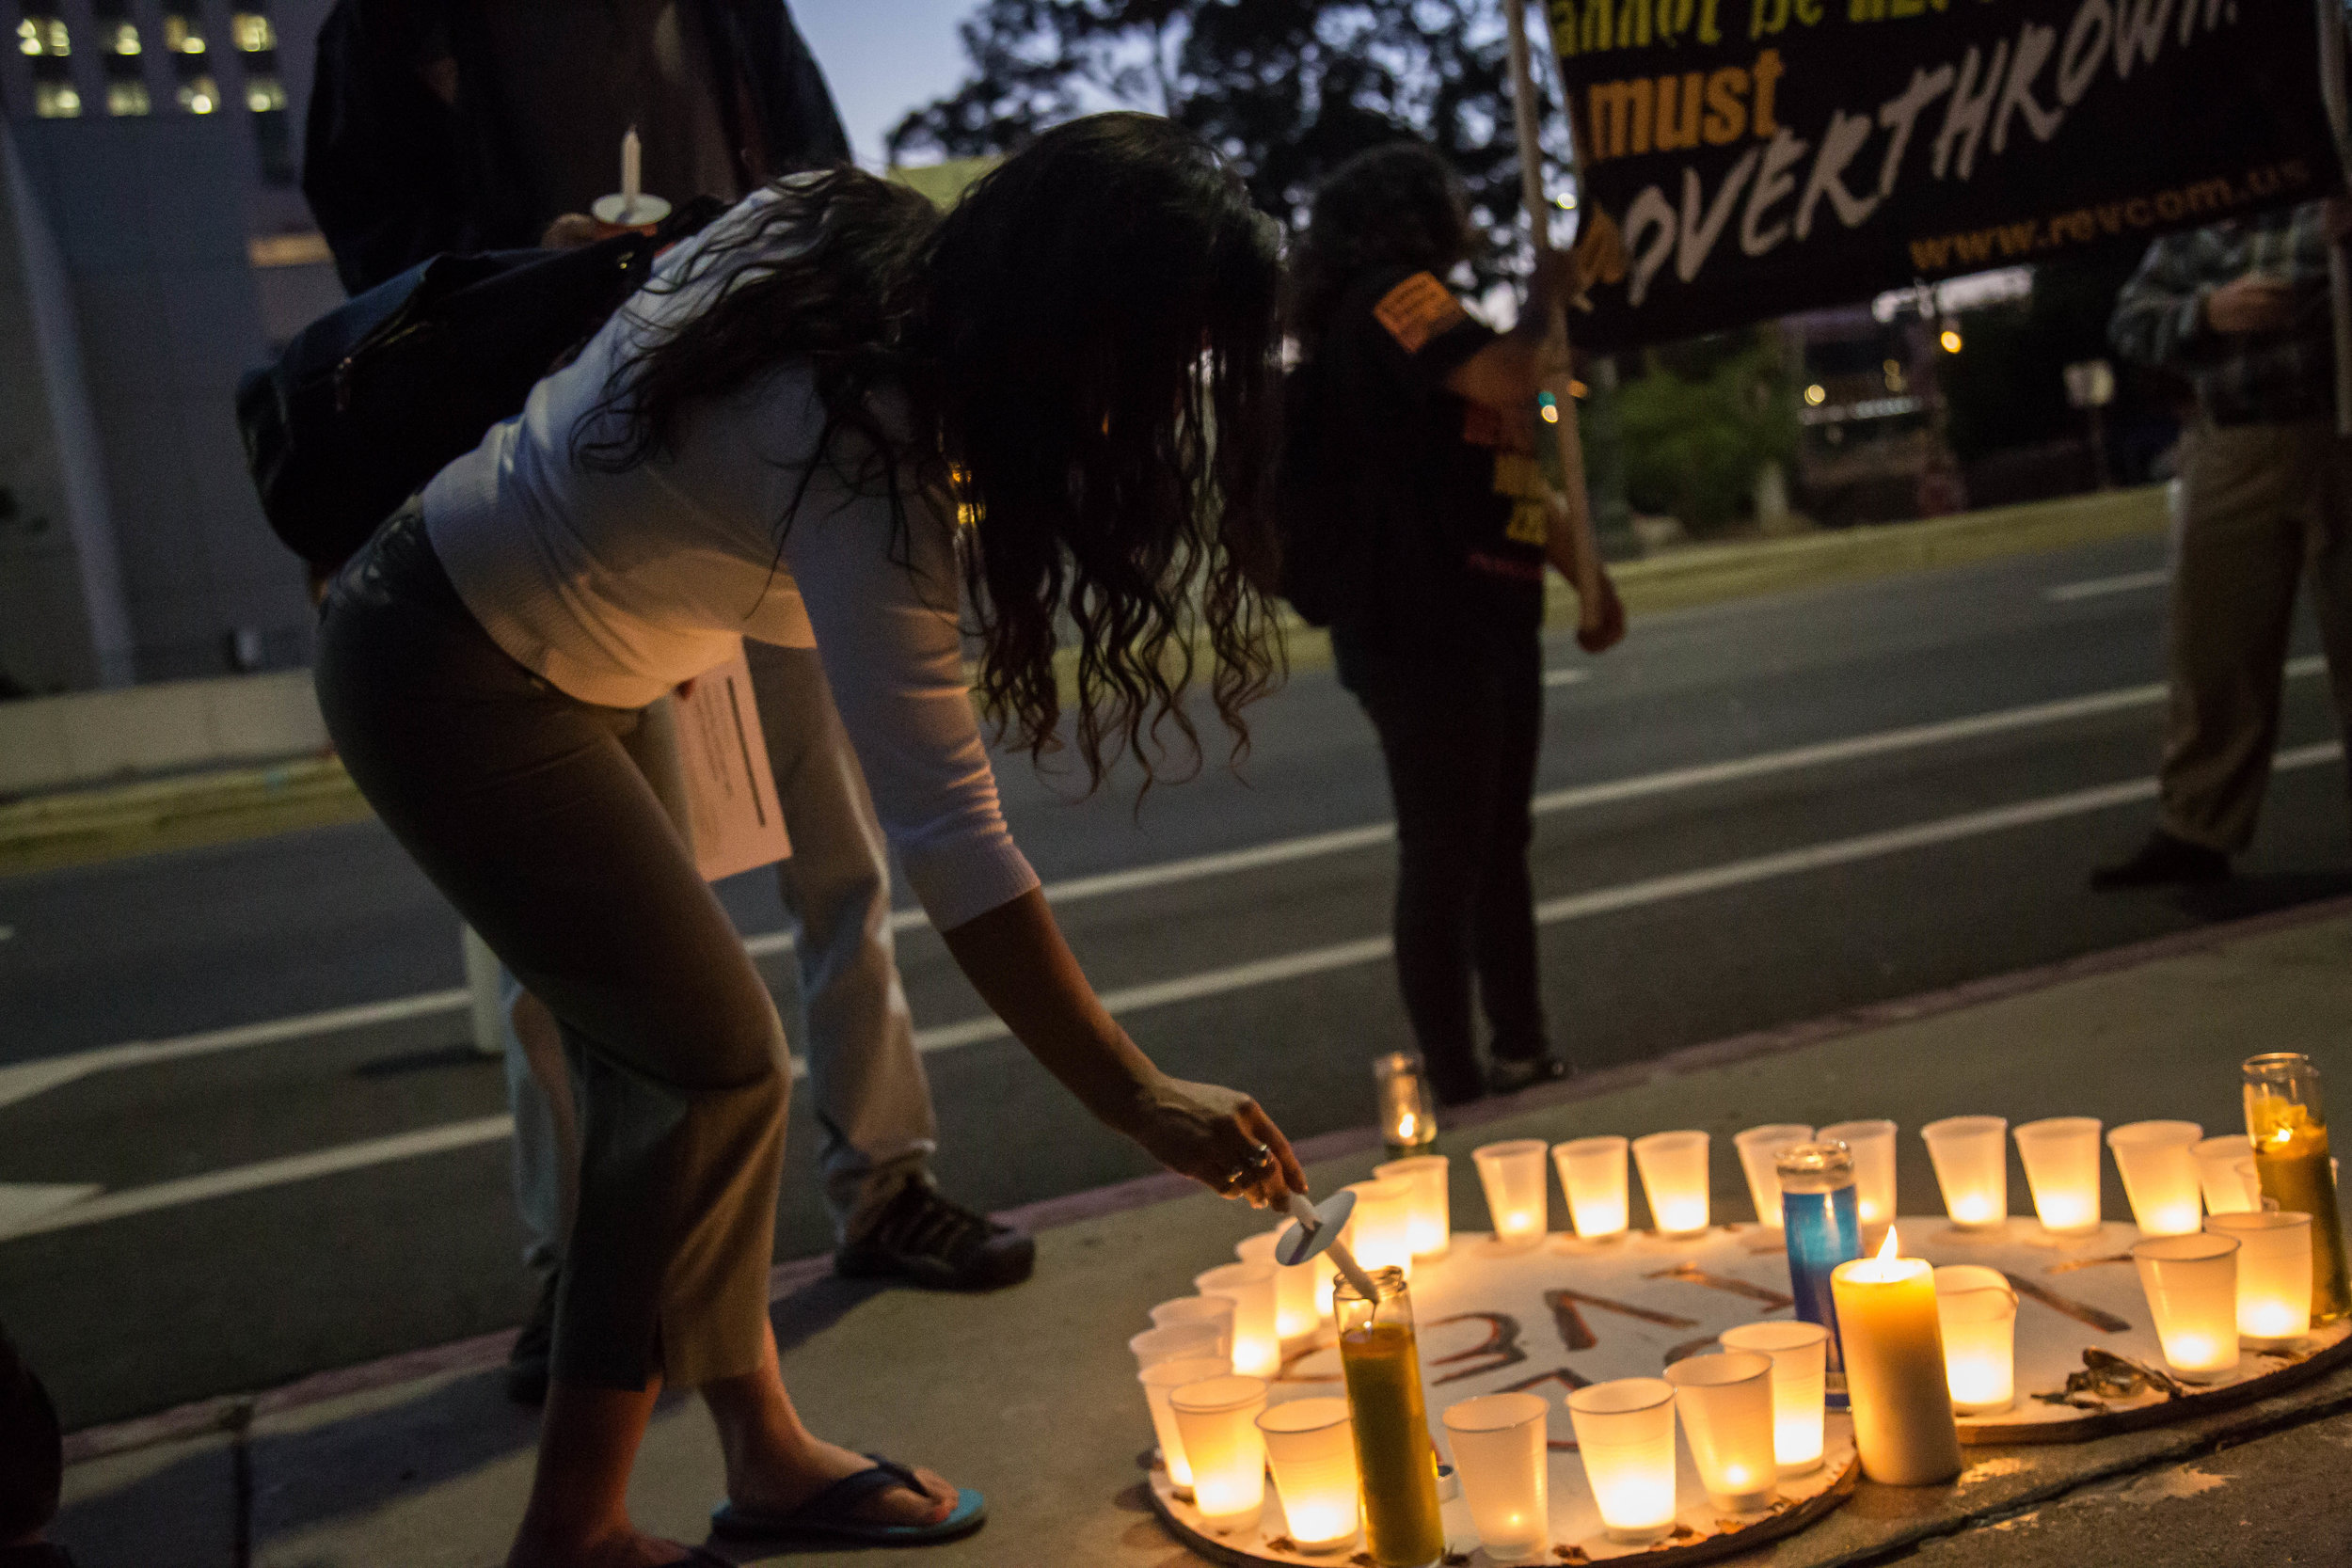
{"x": 1311, "y": 1448}
{"x": 1759, "y": 1148}
{"x": 1502, "y": 1456}
{"x": 2191, "y": 1283}
{"x": 1218, "y": 1418}
{"x": 1593, "y": 1173}
{"x": 1409, "y": 1112}
{"x": 1257, "y": 1348}
{"x": 1431, "y": 1218}
{"x": 1158, "y": 1381}
{"x": 1518, "y": 1195}
{"x": 1799, "y": 1355}
{"x": 2274, "y": 1276}
{"x": 1625, "y": 1434}
{"x": 1216, "y": 1311}
{"x": 1179, "y": 1342}
{"x": 1380, "y": 1233}
{"x": 2061, "y": 1156}
{"x": 1872, "y": 1145}
{"x": 1978, "y": 1314}
{"x": 2250, "y": 1185}
{"x": 2158, "y": 1164}
{"x": 1293, "y": 1288}
{"x": 2217, "y": 1162}
{"x": 1673, "y": 1179}
{"x": 1971, "y": 1159}
{"x": 1726, "y": 1402}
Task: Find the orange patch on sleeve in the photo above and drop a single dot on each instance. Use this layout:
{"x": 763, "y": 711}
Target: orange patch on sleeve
{"x": 1418, "y": 309}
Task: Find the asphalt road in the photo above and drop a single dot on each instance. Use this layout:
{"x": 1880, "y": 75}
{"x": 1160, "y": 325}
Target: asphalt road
{"x": 1745, "y": 825}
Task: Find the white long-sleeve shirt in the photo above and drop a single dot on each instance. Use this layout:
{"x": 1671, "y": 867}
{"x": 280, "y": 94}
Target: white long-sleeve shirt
{"x": 616, "y": 587}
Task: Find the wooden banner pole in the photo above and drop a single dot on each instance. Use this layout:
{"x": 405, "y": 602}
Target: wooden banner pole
{"x": 2331, "y": 89}
{"x": 1557, "y": 371}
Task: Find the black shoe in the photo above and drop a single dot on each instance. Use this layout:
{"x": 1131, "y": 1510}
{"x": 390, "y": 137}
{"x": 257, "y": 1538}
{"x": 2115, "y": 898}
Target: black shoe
{"x": 2163, "y": 862}
{"x": 925, "y": 1237}
{"x": 527, "y": 1363}
{"x": 1509, "y": 1075}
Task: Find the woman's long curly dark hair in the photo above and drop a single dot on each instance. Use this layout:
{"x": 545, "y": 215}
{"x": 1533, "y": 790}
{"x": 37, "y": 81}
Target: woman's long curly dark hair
{"x": 1397, "y": 205}
{"x": 1088, "y": 345}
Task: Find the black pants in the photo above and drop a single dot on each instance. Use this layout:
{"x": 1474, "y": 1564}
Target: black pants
{"x": 1459, "y": 729}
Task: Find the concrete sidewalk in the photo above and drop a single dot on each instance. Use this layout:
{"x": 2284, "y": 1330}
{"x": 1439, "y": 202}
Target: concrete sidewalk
{"x": 1029, "y": 1394}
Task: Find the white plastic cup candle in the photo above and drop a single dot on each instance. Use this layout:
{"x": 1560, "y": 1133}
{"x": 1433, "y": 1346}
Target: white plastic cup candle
{"x": 1625, "y": 1434}
{"x": 1293, "y": 1288}
{"x": 2158, "y": 1164}
{"x": 1673, "y": 1179}
{"x": 2061, "y": 1157}
{"x": 1257, "y": 1348}
{"x": 1759, "y": 1148}
{"x": 2191, "y": 1285}
{"x": 1726, "y": 1402}
{"x": 1310, "y": 1446}
{"x": 1159, "y": 1380}
{"x": 1430, "y": 1216}
{"x": 1593, "y": 1173}
{"x": 1502, "y": 1454}
{"x": 2274, "y": 1275}
{"x": 1219, "y": 1420}
{"x": 1888, "y": 1328}
{"x": 2218, "y": 1160}
{"x": 1380, "y": 1233}
{"x": 1519, "y": 1197}
{"x": 1978, "y": 1312}
{"x": 2250, "y": 1185}
{"x": 1971, "y": 1159}
{"x": 1179, "y": 1342}
{"x": 1799, "y": 1355}
{"x": 1216, "y": 1311}
{"x": 1872, "y": 1145}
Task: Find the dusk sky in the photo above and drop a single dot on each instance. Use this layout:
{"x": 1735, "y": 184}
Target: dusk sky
{"x": 883, "y": 57}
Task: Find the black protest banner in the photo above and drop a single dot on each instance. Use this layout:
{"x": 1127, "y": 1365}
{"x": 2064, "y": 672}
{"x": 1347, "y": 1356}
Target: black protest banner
{"x": 1747, "y": 158}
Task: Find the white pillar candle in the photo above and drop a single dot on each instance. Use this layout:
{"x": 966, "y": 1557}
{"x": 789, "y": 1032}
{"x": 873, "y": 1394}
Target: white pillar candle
{"x": 1519, "y": 1197}
{"x": 1219, "y": 1420}
{"x": 1159, "y": 1380}
{"x": 1872, "y": 1145}
{"x": 1894, "y": 1351}
{"x": 1216, "y": 1311}
{"x": 1799, "y": 1354}
{"x": 1380, "y": 1233}
{"x": 1977, "y": 1313}
{"x": 1177, "y": 1342}
{"x": 1593, "y": 1173}
{"x": 1726, "y": 1402}
{"x": 1971, "y": 1159}
{"x": 1293, "y": 1288}
{"x": 2158, "y": 1164}
{"x": 1673, "y": 1179}
{"x": 632, "y": 166}
{"x": 2191, "y": 1285}
{"x": 2061, "y": 1157}
{"x": 1759, "y": 1148}
{"x": 1625, "y": 1434}
{"x": 1431, "y": 1217}
{"x": 1311, "y": 1448}
{"x": 1502, "y": 1456}
{"x": 2218, "y": 1160}
{"x": 1257, "y": 1348}
{"x": 2274, "y": 1275}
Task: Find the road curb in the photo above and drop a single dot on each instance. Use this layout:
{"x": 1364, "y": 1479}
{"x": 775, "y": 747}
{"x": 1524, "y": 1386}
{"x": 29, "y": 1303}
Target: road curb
{"x": 484, "y": 1351}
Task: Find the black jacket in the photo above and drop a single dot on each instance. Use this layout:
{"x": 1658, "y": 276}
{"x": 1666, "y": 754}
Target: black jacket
{"x": 395, "y": 174}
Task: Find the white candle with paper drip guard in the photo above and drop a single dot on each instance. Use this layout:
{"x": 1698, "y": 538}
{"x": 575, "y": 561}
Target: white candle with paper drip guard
{"x": 1317, "y": 1234}
{"x": 1759, "y": 1148}
{"x": 2274, "y": 1276}
{"x": 1431, "y": 1222}
{"x": 630, "y": 207}
{"x": 1673, "y": 1179}
{"x": 1872, "y": 1146}
{"x": 1978, "y": 1312}
{"x": 2159, "y": 1170}
{"x": 1893, "y": 1340}
{"x": 2061, "y": 1158}
{"x": 1971, "y": 1159}
{"x": 1293, "y": 1288}
{"x": 2217, "y": 1162}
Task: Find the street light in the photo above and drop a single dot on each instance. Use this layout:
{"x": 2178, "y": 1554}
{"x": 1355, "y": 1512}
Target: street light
{"x": 1950, "y": 340}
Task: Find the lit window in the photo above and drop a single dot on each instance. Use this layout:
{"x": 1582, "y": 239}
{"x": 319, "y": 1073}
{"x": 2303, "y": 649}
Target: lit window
{"x": 252, "y": 32}
{"x": 127, "y": 96}
{"x": 43, "y": 35}
{"x": 264, "y": 94}
{"x": 182, "y": 34}
{"x": 199, "y": 96}
{"x": 123, "y": 38}
{"x": 55, "y": 99}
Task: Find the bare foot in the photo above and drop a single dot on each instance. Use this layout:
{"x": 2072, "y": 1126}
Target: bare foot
{"x": 826, "y": 1463}
{"x": 628, "y": 1549}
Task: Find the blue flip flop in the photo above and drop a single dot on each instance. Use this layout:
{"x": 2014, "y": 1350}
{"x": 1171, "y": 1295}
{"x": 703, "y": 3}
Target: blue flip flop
{"x": 831, "y": 1517}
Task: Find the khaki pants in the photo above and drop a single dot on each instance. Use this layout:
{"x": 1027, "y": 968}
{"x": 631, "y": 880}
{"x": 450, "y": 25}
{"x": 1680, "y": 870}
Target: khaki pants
{"x": 2267, "y": 506}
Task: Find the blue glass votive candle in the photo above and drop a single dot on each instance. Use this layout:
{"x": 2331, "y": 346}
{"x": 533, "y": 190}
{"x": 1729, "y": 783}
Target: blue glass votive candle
{"x": 1822, "y": 1229}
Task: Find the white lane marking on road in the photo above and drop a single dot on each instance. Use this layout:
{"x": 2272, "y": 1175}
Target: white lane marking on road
{"x": 1565, "y": 678}
{"x": 1194, "y": 988}
{"x": 8, "y": 933}
{"x": 27, "y": 1079}
{"x": 2129, "y": 583}
{"x": 23, "y": 1202}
